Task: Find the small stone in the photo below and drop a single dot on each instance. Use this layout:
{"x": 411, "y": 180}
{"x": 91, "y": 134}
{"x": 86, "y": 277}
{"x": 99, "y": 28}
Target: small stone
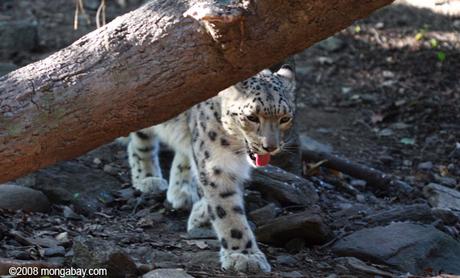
{"x": 442, "y": 196}
{"x": 447, "y": 216}
{"x": 360, "y": 198}
{"x": 54, "y": 251}
{"x": 97, "y": 161}
{"x": 386, "y": 132}
{"x": 379, "y": 25}
{"x": 447, "y": 181}
{"x": 201, "y": 233}
{"x": 286, "y": 260}
{"x": 70, "y": 214}
{"x": 407, "y": 163}
{"x": 358, "y": 184}
{"x": 388, "y": 74}
{"x": 425, "y": 166}
{"x": 110, "y": 169}
{"x": 264, "y": 214}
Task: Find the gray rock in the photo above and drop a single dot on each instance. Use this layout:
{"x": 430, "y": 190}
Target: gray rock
{"x": 70, "y": 214}
{"x": 169, "y": 273}
{"x": 447, "y": 216}
{"x": 442, "y": 197}
{"x": 358, "y": 184}
{"x": 286, "y": 260}
{"x": 264, "y": 214}
{"x": 280, "y": 186}
{"x": 54, "y": 251}
{"x": 17, "y": 197}
{"x": 358, "y": 266}
{"x": 332, "y": 44}
{"x": 426, "y": 166}
{"x": 447, "y": 181}
{"x": 70, "y": 182}
{"x": 6, "y": 68}
{"x": 97, "y": 253}
{"x": 409, "y": 247}
{"x": 306, "y": 225}
{"x": 201, "y": 232}
{"x": 18, "y": 35}
{"x": 414, "y": 212}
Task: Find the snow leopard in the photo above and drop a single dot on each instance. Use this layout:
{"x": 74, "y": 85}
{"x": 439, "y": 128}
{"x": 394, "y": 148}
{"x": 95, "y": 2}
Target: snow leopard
{"x": 216, "y": 143}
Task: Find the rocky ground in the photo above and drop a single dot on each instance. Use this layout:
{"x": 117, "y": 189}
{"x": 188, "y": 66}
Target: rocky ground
{"x": 383, "y": 93}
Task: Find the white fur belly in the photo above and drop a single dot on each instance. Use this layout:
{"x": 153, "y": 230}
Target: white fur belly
{"x": 175, "y": 133}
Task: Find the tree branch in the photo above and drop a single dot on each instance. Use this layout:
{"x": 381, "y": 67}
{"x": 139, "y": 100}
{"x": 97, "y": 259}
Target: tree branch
{"x": 147, "y": 66}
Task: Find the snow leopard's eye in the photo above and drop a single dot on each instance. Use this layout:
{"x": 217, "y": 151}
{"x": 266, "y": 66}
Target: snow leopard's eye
{"x": 253, "y": 118}
{"x": 285, "y": 119}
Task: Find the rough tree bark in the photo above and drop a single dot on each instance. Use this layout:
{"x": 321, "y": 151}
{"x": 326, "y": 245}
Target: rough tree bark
{"x": 147, "y": 66}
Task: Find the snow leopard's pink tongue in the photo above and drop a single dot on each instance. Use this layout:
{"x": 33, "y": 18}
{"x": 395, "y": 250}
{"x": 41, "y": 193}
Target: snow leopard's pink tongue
{"x": 262, "y": 159}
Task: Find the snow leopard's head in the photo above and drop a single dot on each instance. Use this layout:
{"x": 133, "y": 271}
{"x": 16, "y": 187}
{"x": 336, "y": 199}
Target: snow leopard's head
{"x": 261, "y": 110}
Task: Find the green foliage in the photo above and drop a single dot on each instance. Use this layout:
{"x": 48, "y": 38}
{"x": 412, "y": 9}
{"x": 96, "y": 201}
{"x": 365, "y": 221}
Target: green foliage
{"x": 441, "y": 55}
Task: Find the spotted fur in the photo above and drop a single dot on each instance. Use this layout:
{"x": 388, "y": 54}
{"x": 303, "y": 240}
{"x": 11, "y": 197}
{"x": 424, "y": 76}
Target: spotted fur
{"x": 214, "y": 142}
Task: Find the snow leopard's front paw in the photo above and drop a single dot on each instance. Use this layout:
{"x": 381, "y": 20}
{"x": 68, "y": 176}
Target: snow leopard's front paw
{"x": 254, "y": 261}
{"x": 151, "y": 184}
{"x": 182, "y": 196}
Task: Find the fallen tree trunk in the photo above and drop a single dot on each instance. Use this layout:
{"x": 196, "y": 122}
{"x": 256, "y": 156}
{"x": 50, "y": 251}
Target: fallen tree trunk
{"x": 147, "y": 66}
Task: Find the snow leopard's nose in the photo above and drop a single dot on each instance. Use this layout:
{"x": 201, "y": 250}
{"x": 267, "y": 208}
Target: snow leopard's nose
{"x": 269, "y": 148}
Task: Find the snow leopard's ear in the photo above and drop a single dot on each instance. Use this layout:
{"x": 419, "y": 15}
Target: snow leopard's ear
{"x": 287, "y": 72}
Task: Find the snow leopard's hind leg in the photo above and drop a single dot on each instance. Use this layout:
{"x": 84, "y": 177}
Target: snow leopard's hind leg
{"x": 182, "y": 191}
{"x": 143, "y": 150}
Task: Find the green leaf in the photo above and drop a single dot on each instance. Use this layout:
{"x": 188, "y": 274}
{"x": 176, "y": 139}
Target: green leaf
{"x": 434, "y": 43}
{"x": 357, "y": 29}
{"x": 419, "y": 36}
{"x": 441, "y": 55}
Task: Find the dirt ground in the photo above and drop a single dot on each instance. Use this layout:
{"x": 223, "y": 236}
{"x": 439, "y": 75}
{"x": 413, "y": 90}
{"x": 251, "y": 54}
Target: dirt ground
{"x": 384, "y": 92}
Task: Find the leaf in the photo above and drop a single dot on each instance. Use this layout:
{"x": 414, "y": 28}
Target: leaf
{"x": 407, "y": 141}
{"x": 357, "y": 29}
{"x": 419, "y": 36}
{"x": 433, "y": 43}
{"x": 441, "y": 55}
{"x": 314, "y": 167}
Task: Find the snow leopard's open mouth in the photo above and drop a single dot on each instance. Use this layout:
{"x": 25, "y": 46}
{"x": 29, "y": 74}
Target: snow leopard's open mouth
{"x": 259, "y": 160}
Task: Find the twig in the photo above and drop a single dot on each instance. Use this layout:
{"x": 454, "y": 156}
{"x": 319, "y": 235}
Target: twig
{"x": 100, "y": 13}
{"x": 373, "y": 176}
